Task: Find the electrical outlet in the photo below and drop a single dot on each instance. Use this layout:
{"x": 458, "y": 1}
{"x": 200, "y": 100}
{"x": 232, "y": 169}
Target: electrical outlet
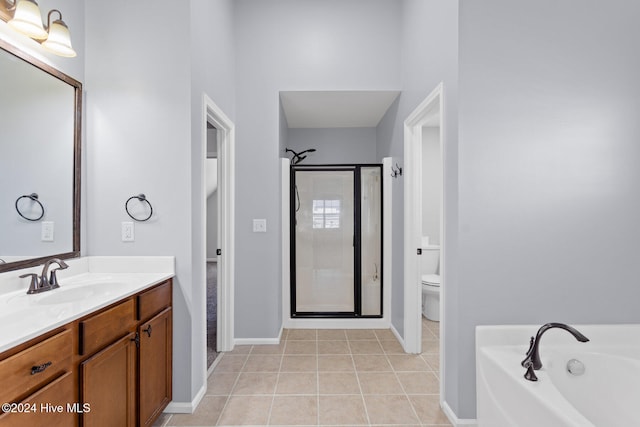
{"x": 259, "y": 225}
{"x": 127, "y": 232}
{"x": 47, "y": 231}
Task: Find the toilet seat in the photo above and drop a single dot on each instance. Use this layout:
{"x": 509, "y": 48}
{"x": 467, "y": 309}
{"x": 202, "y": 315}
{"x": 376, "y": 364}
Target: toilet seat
{"x": 431, "y": 280}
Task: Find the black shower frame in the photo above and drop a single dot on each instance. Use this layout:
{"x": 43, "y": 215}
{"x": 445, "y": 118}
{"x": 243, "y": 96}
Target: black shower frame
{"x": 357, "y": 250}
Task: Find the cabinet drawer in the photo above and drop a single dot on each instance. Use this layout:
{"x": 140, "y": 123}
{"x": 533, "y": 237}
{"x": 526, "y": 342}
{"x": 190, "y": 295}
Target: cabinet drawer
{"x": 102, "y": 329}
{"x": 24, "y": 372}
{"x": 154, "y": 300}
{"x": 46, "y": 407}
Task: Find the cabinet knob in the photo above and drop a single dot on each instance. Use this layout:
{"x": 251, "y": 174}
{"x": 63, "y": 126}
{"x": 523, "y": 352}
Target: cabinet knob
{"x": 40, "y": 368}
{"x": 148, "y": 331}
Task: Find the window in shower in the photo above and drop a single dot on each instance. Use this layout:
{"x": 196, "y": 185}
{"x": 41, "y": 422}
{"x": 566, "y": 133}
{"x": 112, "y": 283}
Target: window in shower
{"x": 336, "y": 241}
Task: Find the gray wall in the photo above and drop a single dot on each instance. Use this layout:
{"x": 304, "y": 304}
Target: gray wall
{"x": 549, "y": 155}
{"x": 429, "y": 46}
{"x": 431, "y": 183}
{"x": 334, "y": 146}
{"x": 289, "y": 45}
{"x": 144, "y": 87}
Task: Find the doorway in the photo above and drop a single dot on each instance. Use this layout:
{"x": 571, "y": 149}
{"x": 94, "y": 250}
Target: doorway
{"x": 428, "y": 115}
{"x": 218, "y": 139}
{"x": 212, "y": 209}
{"x": 336, "y": 241}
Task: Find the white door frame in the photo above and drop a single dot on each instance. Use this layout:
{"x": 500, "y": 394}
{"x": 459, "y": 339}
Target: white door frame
{"x": 413, "y": 222}
{"x": 226, "y": 209}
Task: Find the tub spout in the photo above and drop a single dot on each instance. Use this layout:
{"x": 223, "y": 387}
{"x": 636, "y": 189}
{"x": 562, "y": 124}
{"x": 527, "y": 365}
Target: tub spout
{"x": 533, "y": 357}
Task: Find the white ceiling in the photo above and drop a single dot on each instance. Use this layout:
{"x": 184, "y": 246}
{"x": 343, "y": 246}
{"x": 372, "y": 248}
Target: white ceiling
{"x": 336, "y": 109}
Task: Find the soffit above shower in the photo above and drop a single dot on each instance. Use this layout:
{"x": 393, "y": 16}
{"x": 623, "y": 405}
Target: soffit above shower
{"x": 335, "y": 109}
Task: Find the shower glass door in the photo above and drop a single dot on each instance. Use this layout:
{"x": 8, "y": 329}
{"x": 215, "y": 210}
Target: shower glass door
{"x": 324, "y": 242}
{"x": 336, "y": 241}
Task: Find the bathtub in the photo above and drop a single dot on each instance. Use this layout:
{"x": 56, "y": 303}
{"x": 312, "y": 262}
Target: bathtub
{"x": 607, "y": 394}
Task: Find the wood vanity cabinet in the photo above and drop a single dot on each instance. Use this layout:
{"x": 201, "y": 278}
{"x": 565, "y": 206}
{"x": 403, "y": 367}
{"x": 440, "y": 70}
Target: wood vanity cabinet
{"x": 109, "y": 368}
{"x": 37, "y": 380}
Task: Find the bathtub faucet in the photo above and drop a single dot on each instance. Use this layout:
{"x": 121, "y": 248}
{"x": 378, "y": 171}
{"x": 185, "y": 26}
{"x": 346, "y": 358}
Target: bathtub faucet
{"x": 532, "y": 361}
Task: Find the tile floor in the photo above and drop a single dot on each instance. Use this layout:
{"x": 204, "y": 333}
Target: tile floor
{"x": 353, "y": 377}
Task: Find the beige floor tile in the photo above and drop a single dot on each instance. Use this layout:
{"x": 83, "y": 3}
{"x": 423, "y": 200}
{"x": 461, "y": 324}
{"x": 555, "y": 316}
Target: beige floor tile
{"x": 360, "y": 334}
{"x": 428, "y": 334}
{"x": 300, "y": 347}
{"x": 240, "y": 349}
{"x": 379, "y": 383}
{"x": 433, "y": 360}
{"x": 428, "y": 409}
{"x": 392, "y": 347}
{"x": 255, "y": 383}
{"x": 302, "y": 334}
{"x": 221, "y": 383}
{"x": 389, "y": 410}
{"x": 338, "y": 383}
{"x": 333, "y": 347}
{"x": 297, "y": 383}
{"x": 341, "y": 410}
{"x": 268, "y": 348}
{"x": 162, "y": 420}
{"x": 371, "y": 362}
{"x": 408, "y": 362}
{"x": 246, "y": 410}
{"x": 261, "y": 363}
{"x": 384, "y": 334}
{"x": 332, "y": 334}
{"x": 206, "y": 414}
{"x": 335, "y": 363}
{"x": 294, "y": 410}
{"x": 431, "y": 346}
{"x": 299, "y": 364}
{"x": 231, "y": 363}
{"x": 365, "y": 347}
{"x": 419, "y": 382}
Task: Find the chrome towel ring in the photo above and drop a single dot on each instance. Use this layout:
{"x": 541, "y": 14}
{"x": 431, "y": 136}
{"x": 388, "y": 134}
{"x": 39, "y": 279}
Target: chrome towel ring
{"x": 33, "y": 197}
{"x": 143, "y": 199}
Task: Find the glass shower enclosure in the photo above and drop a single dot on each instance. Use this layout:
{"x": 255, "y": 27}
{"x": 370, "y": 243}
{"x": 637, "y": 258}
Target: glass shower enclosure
{"x": 336, "y": 241}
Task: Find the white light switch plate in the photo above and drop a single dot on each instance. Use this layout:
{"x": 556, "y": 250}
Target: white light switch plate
{"x": 259, "y": 225}
{"x": 47, "y": 231}
{"x": 127, "y": 232}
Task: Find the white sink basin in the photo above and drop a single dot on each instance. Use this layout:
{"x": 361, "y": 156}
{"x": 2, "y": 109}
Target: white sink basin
{"x": 69, "y": 294}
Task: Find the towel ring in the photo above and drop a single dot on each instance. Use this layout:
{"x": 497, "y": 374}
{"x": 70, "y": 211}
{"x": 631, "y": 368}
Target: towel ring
{"x": 142, "y": 198}
{"x": 33, "y": 197}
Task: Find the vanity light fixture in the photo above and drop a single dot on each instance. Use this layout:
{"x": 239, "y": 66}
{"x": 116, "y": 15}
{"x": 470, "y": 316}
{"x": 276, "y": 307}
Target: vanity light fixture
{"x": 59, "y": 40}
{"x": 27, "y": 19}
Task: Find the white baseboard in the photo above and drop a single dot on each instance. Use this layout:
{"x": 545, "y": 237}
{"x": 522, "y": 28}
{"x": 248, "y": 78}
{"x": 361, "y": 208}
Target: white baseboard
{"x": 259, "y": 341}
{"x": 455, "y": 420}
{"x": 186, "y": 407}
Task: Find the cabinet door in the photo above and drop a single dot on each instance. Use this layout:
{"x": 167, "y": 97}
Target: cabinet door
{"x": 51, "y": 406}
{"x": 108, "y": 385}
{"x": 155, "y": 366}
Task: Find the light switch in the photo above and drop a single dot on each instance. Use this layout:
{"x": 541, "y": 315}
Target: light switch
{"x": 127, "y": 232}
{"x": 259, "y": 225}
{"x": 47, "y": 231}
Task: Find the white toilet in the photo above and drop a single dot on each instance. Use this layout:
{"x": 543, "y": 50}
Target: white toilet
{"x": 430, "y": 275}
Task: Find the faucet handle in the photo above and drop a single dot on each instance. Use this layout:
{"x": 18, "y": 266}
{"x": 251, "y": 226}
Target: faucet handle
{"x": 53, "y": 278}
{"x": 33, "y": 286}
{"x": 531, "y": 373}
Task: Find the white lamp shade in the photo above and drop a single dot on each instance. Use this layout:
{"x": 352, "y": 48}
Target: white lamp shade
{"x": 59, "y": 40}
{"x": 27, "y": 20}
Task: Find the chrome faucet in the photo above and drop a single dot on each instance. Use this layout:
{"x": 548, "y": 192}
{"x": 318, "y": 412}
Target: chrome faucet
{"x": 532, "y": 361}
{"x": 43, "y": 283}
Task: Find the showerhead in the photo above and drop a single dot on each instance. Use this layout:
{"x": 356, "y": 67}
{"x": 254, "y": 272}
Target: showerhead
{"x": 298, "y": 157}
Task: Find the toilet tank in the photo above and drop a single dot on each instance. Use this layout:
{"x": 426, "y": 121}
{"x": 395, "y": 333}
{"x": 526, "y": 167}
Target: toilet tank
{"x": 430, "y": 259}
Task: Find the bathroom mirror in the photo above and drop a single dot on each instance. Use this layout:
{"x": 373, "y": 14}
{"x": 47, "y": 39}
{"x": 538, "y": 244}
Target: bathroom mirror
{"x": 40, "y": 119}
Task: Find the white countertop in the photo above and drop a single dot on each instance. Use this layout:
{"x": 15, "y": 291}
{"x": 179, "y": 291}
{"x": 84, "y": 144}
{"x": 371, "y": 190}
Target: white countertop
{"x": 90, "y": 283}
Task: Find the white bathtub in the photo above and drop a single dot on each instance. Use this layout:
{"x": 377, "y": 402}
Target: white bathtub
{"x": 606, "y": 395}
